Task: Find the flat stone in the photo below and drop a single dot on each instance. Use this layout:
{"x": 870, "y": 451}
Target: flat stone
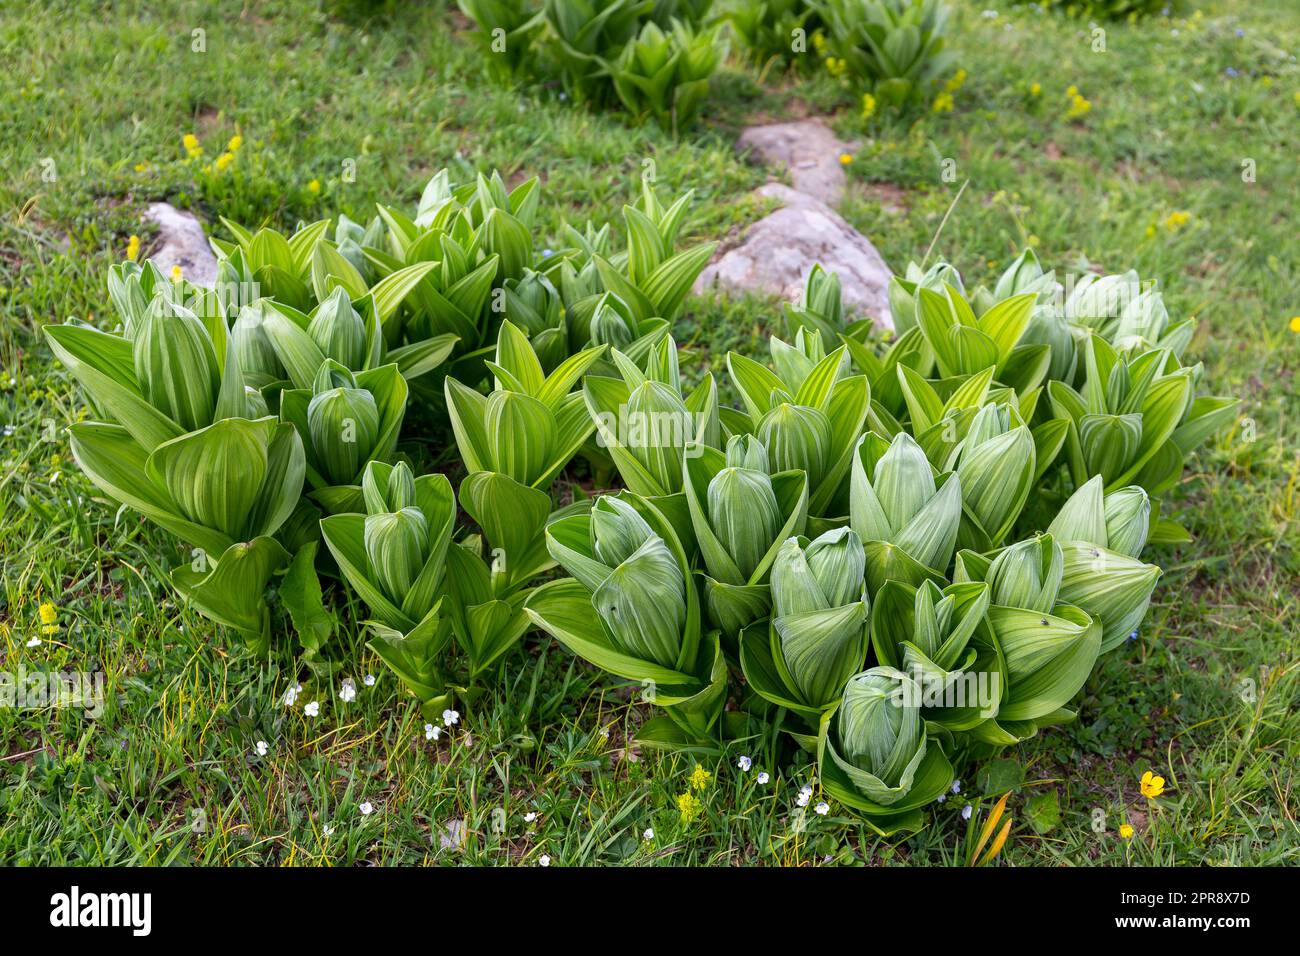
{"x": 184, "y": 244}
{"x": 808, "y": 149}
{"x": 777, "y": 253}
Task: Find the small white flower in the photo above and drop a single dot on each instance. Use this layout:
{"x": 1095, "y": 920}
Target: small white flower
{"x": 965, "y": 812}
{"x": 291, "y": 695}
{"x": 649, "y": 834}
{"x": 989, "y": 14}
{"x": 529, "y": 817}
{"x": 941, "y": 798}
{"x": 544, "y": 861}
{"x": 956, "y": 786}
{"x": 348, "y": 690}
{"x": 450, "y": 717}
{"x": 366, "y": 808}
{"x": 369, "y": 680}
{"x": 312, "y": 709}
{"x": 431, "y": 732}
{"x": 763, "y": 777}
{"x": 744, "y": 763}
{"x": 329, "y": 829}
{"x": 34, "y": 642}
{"x": 805, "y": 794}
{"x": 822, "y": 808}
{"x": 262, "y": 748}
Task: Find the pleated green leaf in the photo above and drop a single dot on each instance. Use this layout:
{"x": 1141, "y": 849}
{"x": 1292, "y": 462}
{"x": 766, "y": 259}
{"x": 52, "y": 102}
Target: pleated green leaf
{"x": 1112, "y": 587}
{"x": 817, "y": 651}
{"x": 1048, "y": 655}
{"x": 643, "y": 603}
{"x": 232, "y": 591}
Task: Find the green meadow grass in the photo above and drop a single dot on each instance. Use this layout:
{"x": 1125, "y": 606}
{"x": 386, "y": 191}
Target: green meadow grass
{"x": 1150, "y": 177}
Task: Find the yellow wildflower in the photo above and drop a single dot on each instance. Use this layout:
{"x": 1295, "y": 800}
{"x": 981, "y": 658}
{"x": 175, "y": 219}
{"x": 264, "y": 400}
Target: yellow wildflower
{"x": 819, "y": 41}
{"x": 942, "y": 103}
{"x": 1151, "y": 785}
{"x": 846, "y": 158}
{"x": 869, "y": 105}
{"x": 313, "y": 187}
{"x": 1176, "y": 220}
{"x": 1035, "y": 89}
{"x": 176, "y": 273}
{"x": 1295, "y": 324}
{"x": 688, "y": 807}
{"x": 1151, "y": 231}
{"x": 236, "y": 141}
{"x": 142, "y": 166}
{"x": 1071, "y": 91}
{"x": 836, "y": 66}
{"x": 1297, "y": 97}
{"x": 955, "y": 84}
{"x": 49, "y": 618}
{"x": 224, "y": 160}
{"x": 700, "y": 778}
{"x": 191, "y": 144}
{"x": 1078, "y": 106}
{"x": 1126, "y": 831}
{"x": 133, "y": 247}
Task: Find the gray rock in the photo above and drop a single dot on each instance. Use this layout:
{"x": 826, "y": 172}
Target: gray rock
{"x": 808, "y": 149}
{"x": 184, "y": 244}
{"x": 777, "y": 253}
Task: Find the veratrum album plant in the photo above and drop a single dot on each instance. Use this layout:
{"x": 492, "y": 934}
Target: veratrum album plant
{"x": 898, "y": 46}
{"x": 896, "y": 556}
{"x": 655, "y": 57}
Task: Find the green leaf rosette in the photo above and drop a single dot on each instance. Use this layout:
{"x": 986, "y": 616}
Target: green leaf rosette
{"x": 346, "y": 420}
{"x": 874, "y": 755}
{"x": 817, "y": 636}
{"x": 632, "y": 610}
{"x": 740, "y": 515}
{"x": 906, "y": 517}
{"x": 394, "y": 556}
{"x": 1045, "y": 648}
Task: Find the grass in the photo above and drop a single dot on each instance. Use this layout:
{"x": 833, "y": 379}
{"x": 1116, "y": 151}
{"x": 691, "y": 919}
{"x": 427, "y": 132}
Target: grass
{"x": 169, "y": 773}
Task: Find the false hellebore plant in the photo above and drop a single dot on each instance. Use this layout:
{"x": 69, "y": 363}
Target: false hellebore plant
{"x": 740, "y": 514}
{"x": 645, "y": 423}
{"x": 874, "y": 753}
{"x": 1136, "y": 418}
{"x": 531, "y": 424}
{"x": 817, "y": 635}
{"x": 808, "y": 414}
{"x": 1102, "y": 536}
{"x": 394, "y": 555}
{"x": 906, "y": 517}
{"x": 631, "y": 609}
{"x": 346, "y": 421}
{"x": 1044, "y": 647}
{"x": 190, "y": 447}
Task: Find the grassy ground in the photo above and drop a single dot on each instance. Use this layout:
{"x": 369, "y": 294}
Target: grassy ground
{"x": 94, "y": 113}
